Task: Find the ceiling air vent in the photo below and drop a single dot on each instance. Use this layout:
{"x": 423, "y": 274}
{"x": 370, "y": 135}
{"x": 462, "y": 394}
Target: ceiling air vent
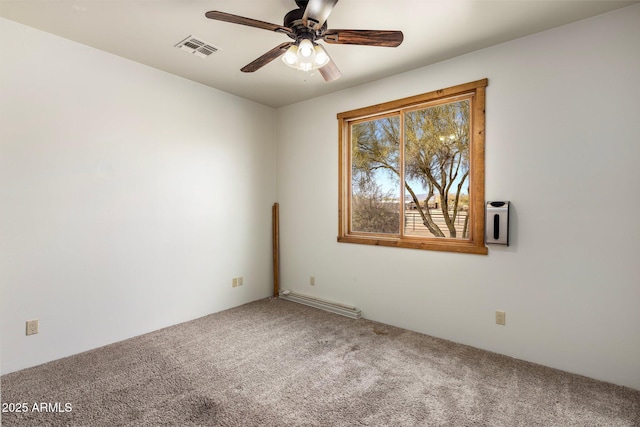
{"x": 197, "y": 46}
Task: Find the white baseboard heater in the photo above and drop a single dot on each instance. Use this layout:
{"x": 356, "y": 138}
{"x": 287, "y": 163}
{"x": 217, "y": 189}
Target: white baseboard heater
{"x": 322, "y": 304}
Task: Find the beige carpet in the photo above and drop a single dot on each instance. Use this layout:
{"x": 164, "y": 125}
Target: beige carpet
{"x": 278, "y": 363}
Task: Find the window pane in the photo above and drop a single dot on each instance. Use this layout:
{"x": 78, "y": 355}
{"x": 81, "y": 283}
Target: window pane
{"x": 375, "y": 182}
{"x": 436, "y": 159}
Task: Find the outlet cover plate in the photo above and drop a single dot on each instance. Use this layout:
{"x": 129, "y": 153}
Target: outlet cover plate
{"x": 32, "y": 327}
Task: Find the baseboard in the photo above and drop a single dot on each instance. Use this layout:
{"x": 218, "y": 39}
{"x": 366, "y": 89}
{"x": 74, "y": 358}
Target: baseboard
{"x": 333, "y": 307}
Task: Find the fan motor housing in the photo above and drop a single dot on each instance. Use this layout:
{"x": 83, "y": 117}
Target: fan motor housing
{"x": 293, "y": 20}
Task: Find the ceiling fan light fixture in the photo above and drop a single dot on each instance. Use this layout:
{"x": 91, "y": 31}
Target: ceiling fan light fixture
{"x": 305, "y": 56}
{"x": 305, "y": 66}
{"x": 306, "y": 48}
{"x": 322, "y": 58}
{"x": 291, "y": 56}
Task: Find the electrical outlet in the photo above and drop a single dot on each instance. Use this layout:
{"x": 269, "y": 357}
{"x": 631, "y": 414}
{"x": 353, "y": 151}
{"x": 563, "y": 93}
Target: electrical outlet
{"x": 500, "y": 317}
{"x": 234, "y": 282}
{"x": 312, "y": 280}
{"x": 240, "y": 281}
{"x": 32, "y": 327}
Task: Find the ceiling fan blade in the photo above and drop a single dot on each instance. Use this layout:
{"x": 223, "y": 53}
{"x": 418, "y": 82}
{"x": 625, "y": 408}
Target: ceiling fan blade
{"x": 235, "y": 19}
{"x": 316, "y": 13}
{"x": 364, "y": 37}
{"x": 266, "y": 58}
{"x": 330, "y": 72}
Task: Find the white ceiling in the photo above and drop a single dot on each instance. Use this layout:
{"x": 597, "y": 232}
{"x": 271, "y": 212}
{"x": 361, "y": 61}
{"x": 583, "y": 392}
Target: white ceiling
{"x": 146, "y": 31}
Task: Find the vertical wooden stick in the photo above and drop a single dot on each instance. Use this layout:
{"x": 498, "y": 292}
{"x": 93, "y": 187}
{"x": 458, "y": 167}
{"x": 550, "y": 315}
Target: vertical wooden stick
{"x": 275, "y": 214}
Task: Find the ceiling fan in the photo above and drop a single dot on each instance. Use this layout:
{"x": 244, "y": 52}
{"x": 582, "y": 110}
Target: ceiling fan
{"x": 306, "y": 25}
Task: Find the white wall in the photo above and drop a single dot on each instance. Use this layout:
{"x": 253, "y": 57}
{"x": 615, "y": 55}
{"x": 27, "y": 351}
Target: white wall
{"x": 562, "y": 144}
{"x": 129, "y": 197}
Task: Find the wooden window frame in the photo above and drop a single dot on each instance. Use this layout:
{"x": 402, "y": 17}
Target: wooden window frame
{"x": 476, "y": 243}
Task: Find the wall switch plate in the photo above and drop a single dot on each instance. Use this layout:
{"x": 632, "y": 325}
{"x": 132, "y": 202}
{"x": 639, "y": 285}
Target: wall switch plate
{"x": 32, "y": 327}
{"x": 500, "y": 317}
{"x": 240, "y": 281}
{"x": 234, "y": 282}
{"x": 312, "y": 280}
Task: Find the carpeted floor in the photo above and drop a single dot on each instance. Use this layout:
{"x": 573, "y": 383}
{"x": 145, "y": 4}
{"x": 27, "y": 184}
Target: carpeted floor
{"x": 278, "y": 363}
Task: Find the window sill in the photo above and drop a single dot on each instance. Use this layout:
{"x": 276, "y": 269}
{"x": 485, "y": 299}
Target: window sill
{"x": 444, "y": 245}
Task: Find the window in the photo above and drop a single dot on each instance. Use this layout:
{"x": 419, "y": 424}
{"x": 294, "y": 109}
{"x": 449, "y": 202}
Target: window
{"x": 412, "y": 172}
